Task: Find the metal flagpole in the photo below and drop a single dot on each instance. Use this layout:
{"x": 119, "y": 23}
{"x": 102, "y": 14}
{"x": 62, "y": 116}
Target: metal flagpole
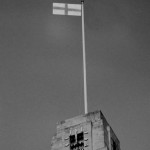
{"x": 84, "y": 59}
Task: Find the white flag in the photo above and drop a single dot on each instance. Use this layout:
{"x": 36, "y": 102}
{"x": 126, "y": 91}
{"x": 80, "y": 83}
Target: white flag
{"x": 67, "y": 9}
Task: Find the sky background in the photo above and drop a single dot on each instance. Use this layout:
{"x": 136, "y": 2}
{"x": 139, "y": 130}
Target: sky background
{"x": 41, "y": 79}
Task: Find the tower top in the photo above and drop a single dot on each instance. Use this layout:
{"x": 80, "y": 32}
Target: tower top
{"x": 90, "y": 131}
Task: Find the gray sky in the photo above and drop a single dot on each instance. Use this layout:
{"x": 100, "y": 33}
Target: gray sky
{"x": 41, "y": 79}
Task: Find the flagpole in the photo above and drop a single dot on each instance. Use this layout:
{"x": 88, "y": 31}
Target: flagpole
{"x": 84, "y": 60}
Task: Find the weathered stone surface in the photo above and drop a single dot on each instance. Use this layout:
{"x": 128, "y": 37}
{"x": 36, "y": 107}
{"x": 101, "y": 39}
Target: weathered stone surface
{"x": 95, "y": 129}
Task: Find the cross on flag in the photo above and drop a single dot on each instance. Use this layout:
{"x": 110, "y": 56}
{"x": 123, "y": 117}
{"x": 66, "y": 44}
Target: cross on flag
{"x": 67, "y": 9}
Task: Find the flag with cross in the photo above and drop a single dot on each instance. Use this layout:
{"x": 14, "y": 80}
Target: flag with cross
{"x": 67, "y": 9}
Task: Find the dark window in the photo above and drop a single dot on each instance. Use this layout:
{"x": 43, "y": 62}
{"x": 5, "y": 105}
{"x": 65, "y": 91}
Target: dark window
{"x": 80, "y": 141}
{"x": 113, "y": 145}
{"x": 72, "y": 142}
{"x": 77, "y": 142}
{"x": 72, "y": 139}
{"x": 80, "y": 136}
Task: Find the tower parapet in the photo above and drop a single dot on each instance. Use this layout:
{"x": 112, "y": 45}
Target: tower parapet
{"x": 90, "y": 131}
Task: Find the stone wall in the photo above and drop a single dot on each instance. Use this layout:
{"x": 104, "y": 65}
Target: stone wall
{"x": 93, "y": 125}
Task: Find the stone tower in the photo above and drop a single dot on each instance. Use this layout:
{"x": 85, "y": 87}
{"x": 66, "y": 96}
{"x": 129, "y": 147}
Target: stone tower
{"x": 86, "y": 132}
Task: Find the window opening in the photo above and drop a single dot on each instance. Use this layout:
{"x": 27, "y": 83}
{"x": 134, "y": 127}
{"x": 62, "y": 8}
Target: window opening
{"x": 77, "y": 142}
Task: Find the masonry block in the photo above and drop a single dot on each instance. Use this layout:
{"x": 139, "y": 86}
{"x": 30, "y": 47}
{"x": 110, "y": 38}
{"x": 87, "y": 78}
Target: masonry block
{"x": 85, "y": 132}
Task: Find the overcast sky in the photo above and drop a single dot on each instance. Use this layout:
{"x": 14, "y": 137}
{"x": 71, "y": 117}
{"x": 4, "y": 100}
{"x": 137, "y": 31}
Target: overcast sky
{"x": 41, "y": 80}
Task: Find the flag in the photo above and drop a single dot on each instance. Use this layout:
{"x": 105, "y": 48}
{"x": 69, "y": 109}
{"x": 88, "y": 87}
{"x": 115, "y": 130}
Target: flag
{"x": 67, "y": 9}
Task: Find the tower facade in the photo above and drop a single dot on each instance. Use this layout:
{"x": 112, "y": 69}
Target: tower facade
{"x": 85, "y": 132}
